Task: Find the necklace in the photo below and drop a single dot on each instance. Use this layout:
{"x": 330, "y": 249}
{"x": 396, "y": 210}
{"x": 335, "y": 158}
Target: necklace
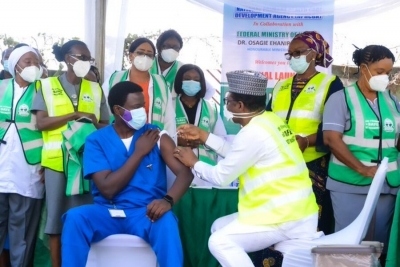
{"x": 305, "y": 79}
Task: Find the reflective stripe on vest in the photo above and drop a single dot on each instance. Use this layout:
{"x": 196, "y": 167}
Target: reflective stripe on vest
{"x": 170, "y": 76}
{"x": 73, "y": 141}
{"x": 207, "y": 121}
{"x": 365, "y": 135}
{"x": 307, "y": 110}
{"x": 25, "y": 121}
{"x": 160, "y": 96}
{"x": 58, "y": 103}
{"x": 280, "y": 191}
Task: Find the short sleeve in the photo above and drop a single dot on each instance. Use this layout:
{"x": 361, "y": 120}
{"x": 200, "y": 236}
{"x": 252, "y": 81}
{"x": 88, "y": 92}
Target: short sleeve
{"x": 94, "y": 158}
{"x": 38, "y": 102}
{"x": 334, "y": 118}
{"x": 104, "y": 110}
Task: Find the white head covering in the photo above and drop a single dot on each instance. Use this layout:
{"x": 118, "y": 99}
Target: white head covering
{"x": 15, "y": 55}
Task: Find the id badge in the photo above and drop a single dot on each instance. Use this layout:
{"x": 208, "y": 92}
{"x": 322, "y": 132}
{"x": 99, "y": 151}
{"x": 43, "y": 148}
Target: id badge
{"x": 117, "y": 213}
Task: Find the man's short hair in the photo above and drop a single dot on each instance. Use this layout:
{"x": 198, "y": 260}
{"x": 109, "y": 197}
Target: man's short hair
{"x": 251, "y": 102}
{"x": 119, "y": 93}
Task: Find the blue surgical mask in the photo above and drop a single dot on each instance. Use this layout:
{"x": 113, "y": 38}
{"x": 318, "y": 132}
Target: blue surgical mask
{"x": 191, "y": 88}
{"x": 299, "y": 65}
{"x": 5, "y": 65}
{"x": 135, "y": 118}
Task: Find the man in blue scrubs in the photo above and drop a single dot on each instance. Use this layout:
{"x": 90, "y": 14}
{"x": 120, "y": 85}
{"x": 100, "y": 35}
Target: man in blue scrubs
{"x": 127, "y": 163}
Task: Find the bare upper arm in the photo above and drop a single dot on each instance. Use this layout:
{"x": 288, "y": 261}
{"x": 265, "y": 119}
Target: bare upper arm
{"x": 98, "y": 178}
{"x": 331, "y": 136}
{"x": 167, "y": 147}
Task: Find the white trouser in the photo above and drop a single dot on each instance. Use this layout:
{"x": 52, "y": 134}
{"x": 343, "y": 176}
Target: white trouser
{"x": 231, "y": 240}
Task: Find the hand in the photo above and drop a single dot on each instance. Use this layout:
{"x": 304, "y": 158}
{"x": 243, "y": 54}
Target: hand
{"x": 186, "y": 156}
{"x": 369, "y": 171}
{"x": 88, "y": 115}
{"x": 189, "y": 132}
{"x": 157, "y": 208}
{"x": 147, "y": 141}
{"x": 188, "y": 143}
{"x": 41, "y": 173}
{"x": 302, "y": 142}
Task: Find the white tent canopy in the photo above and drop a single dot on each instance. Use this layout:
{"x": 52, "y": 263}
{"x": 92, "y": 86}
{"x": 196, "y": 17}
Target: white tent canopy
{"x": 343, "y": 10}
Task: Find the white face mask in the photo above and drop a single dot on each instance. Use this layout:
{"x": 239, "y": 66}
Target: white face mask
{"x": 169, "y": 55}
{"x": 143, "y": 63}
{"x": 378, "y": 83}
{"x": 40, "y": 73}
{"x": 230, "y": 115}
{"x": 29, "y": 74}
{"x": 81, "y": 68}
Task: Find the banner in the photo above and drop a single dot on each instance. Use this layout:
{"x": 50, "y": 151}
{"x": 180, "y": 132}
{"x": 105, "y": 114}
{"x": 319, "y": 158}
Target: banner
{"x": 257, "y": 41}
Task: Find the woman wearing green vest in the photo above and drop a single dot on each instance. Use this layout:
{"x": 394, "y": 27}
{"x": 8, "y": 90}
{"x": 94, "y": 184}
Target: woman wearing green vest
{"x": 60, "y": 100}
{"x": 169, "y": 43}
{"x": 158, "y": 102}
{"x": 300, "y": 101}
{"x": 361, "y": 127}
{"x": 21, "y": 180}
{"x": 192, "y": 108}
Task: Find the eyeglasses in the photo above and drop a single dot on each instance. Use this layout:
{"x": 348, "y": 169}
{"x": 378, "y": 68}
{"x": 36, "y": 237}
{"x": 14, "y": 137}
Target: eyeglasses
{"x": 83, "y": 58}
{"x": 176, "y": 48}
{"x": 140, "y": 53}
{"x": 296, "y": 54}
{"x": 226, "y": 101}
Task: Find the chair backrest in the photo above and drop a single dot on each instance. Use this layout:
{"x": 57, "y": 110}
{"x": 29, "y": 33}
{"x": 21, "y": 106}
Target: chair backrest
{"x": 121, "y": 250}
{"x": 356, "y": 231}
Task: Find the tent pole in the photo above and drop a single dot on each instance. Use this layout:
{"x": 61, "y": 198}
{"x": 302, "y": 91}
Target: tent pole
{"x": 100, "y": 35}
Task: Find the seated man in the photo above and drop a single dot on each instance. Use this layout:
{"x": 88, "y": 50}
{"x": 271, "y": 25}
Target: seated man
{"x": 127, "y": 163}
{"x": 276, "y": 201}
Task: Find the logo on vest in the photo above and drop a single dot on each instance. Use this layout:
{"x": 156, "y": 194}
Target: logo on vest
{"x": 388, "y": 126}
{"x": 205, "y": 122}
{"x": 310, "y": 89}
{"x": 86, "y": 98}
{"x": 5, "y": 110}
{"x": 57, "y": 91}
{"x": 23, "y": 110}
{"x": 158, "y": 103}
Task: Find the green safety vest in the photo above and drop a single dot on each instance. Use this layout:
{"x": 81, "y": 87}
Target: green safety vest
{"x": 160, "y": 96}
{"x": 170, "y": 76}
{"x": 72, "y": 148}
{"x": 365, "y": 135}
{"x": 25, "y": 121}
{"x": 207, "y": 121}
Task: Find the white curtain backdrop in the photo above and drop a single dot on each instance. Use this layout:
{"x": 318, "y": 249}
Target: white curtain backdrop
{"x": 117, "y": 11}
{"x": 343, "y": 10}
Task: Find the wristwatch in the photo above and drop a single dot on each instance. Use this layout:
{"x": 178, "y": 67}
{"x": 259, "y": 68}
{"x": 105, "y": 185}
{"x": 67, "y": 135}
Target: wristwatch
{"x": 169, "y": 199}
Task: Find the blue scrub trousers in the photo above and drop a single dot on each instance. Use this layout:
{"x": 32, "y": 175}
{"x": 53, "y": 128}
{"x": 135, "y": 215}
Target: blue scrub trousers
{"x": 92, "y": 223}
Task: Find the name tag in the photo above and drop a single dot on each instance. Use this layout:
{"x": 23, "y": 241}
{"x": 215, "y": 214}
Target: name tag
{"x": 117, "y": 213}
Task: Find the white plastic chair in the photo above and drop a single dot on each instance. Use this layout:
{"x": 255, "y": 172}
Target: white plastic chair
{"x": 123, "y": 251}
{"x": 298, "y": 252}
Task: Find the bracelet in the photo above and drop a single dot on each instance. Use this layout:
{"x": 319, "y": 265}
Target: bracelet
{"x": 308, "y": 141}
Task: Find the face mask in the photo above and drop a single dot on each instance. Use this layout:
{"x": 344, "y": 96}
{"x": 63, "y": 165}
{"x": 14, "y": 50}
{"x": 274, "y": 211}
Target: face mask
{"x": 29, "y": 74}
{"x": 135, "y": 118}
{"x": 378, "y": 83}
{"x": 81, "y": 68}
{"x": 40, "y": 73}
{"x": 143, "y": 63}
{"x": 169, "y": 55}
{"x": 227, "y": 114}
{"x": 299, "y": 65}
{"x": 5, "y": 65}
{"x": 191, "y": 88}
{"x": 230, "y": 115}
